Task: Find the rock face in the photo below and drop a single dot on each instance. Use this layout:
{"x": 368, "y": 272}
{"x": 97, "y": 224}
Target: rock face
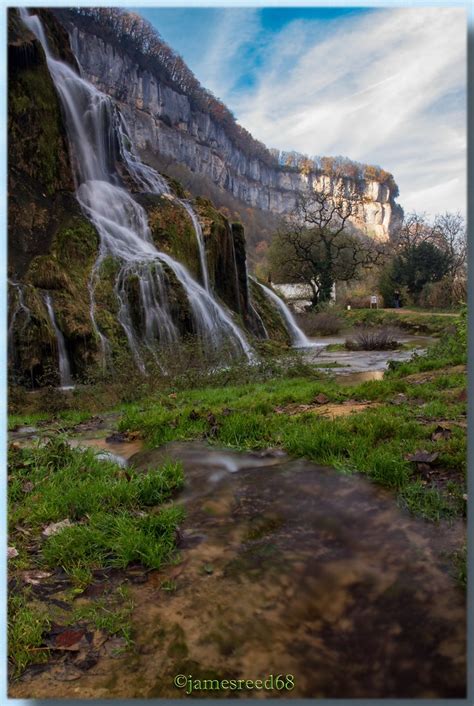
{"x": 163, "y": 122}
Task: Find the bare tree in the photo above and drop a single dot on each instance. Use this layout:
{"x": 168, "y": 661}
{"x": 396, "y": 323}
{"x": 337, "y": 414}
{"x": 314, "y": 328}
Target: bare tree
{"x": 318, "y": 245}
{"x": 449, "y": 231}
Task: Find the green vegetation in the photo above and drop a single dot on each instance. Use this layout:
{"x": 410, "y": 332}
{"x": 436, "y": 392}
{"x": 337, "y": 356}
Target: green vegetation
{"x": 109, "y": 519}
{"x": 26, "y": 627}
{"x": 375, "y": 441}
{"x": 120, "y": 517}
{"x": 411, "y": 322}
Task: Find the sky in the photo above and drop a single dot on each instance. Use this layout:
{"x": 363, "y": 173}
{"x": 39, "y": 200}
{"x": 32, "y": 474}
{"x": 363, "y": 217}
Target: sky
{"x": 382, "y": 86}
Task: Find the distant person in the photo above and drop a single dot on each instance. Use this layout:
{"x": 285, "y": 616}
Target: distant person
{"x": 374, "y": 302}
{"x": 396, "y": 299}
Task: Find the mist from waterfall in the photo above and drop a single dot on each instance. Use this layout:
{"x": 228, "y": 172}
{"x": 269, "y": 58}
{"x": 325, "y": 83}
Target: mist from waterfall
{"x": 97, "y": 133}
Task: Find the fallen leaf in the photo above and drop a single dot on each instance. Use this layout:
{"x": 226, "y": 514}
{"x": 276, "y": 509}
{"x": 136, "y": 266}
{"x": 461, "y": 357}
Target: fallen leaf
{"x": 56, "y": 527}
{"x": 35, "y": 577}
{"x": 441, "y": 433}
{"x": 422, "y": 457}
{"x": 68, "y": 639}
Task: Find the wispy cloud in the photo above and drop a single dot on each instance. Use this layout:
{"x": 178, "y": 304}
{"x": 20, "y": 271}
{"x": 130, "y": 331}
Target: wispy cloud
{"x": 387, "y": 88}
{"x": 382, "y": 86}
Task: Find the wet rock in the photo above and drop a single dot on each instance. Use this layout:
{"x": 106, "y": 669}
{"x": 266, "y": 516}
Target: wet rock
{"x": 118, "y": 437}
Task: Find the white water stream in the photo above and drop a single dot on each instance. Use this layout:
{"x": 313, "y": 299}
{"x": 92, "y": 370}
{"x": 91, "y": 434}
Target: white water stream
{"x": 298, "y": 338}
{"x": 64, "y": 366}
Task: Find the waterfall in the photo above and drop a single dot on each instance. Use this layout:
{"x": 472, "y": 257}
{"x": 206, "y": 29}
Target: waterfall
{"x": 64, "y": 366}
{"x": 98, "y": 137}
{"x": 200, "y": 241}
{"x": 19, "y": 308}
{"x": 298, "y": 338}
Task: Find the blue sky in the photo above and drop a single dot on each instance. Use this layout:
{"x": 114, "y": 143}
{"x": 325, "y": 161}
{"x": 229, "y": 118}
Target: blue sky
{"x": 379, "y": 85}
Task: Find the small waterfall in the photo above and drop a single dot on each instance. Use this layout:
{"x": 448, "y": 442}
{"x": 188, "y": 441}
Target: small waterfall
{"x": 200, "y": 241}
{"x": 18, "y": 310}
{"x": 299, "y": 339}
{"x": 99, "y": 137}
{"x": 64, "y": 367}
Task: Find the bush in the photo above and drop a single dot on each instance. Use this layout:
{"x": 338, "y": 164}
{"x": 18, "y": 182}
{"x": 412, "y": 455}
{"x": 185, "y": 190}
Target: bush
{"x": 373, "y": 339}
{"x": 322, "y": 323}
{"x": 444, "y": 294}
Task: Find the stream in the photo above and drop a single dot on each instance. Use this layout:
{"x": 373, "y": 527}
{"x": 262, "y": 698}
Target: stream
{"x": 287, "y": 567}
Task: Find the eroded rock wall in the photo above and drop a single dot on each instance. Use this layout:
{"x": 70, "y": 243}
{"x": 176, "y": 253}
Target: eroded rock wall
{"x": 163, "y": 122}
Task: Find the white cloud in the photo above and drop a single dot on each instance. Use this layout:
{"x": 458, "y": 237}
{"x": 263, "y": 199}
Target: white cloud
{"x": 387, "y": 87}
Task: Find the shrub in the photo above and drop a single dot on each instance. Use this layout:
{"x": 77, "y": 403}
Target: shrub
{"x": 373, "y": 339}
{"x": 322, "y": 323}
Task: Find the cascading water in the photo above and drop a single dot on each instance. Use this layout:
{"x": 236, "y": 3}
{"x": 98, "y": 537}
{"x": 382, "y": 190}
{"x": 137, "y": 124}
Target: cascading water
{"x": 64, "y": 366}
{"x": 98, "y": 137}
{"x": 299, "y": 339}
{"x": 18, "y": 310}
{"x": 200, "y": 241}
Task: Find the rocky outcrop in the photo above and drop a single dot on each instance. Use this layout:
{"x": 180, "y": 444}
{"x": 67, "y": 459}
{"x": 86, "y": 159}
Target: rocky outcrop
{"x": 163, "y": 123}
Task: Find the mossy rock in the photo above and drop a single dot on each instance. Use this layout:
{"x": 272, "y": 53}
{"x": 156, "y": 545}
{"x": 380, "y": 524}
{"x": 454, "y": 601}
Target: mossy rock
{"x": 269, "y": 314}
{"x": 172, "y": 230}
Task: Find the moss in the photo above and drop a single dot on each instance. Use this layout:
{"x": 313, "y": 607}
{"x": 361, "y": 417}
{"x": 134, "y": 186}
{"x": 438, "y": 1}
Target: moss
{"x": 180, "y": 308}
{"x": 65, "y": 271}
{"x": 221, "y": 258}
{"x": 37, "y": 144}
{"x": 173, "y": 232}
{"x": 270, "y": 316}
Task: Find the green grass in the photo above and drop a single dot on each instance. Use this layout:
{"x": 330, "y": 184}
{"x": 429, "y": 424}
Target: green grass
{"x": 118, "y": 517}
{"x": 426, "y": 322}
{"x": 121, "y": 517}
{"x": 111, "y": 614}
{"x": 373, "y": 442}
{"x": 100, "y": 499}
{"x": 26, "y": 626}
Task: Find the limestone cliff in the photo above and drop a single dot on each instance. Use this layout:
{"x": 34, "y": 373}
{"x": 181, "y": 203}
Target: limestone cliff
{"x": 164, "y": 124}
